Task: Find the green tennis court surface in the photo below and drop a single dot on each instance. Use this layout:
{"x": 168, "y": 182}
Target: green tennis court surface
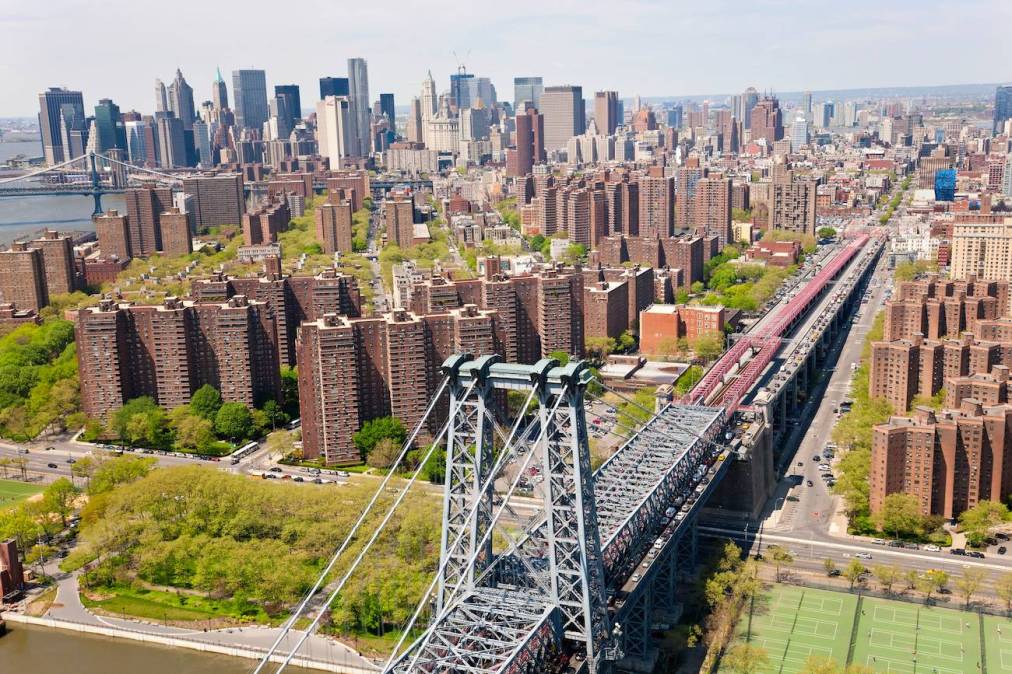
{"x": 13, "y": 492}
{"x": 896, "y": 637}
{"x": 795, "y": 623}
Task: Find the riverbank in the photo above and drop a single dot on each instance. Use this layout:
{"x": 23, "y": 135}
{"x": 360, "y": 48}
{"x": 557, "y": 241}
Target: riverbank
{"x": 204, "y": 646}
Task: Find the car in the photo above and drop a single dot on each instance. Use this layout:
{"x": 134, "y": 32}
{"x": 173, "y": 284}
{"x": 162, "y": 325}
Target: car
{"x": 298, "y": 478}
{"x": 636, "y": 578}
{"x": 275, "y": 469}
{"x": 975, "y": 554}
{"x": 1001, "y": 536}
{"x": 801, "y": 464}
{"x": 646, "y": 564}
{"x": 895, "y": 544}
{"x": 825, "y": 467}
{"x": 958, "y": 551}
{"x": 49, "y": 449}
{"x": 834, "y": 573}
{"x": 343, "y": 473}
{"x": 863, "y": 555}
{"x": 1002, "y": 549}
{"x": 809, "y": 483}
{"x": 52, "y": 465}
{"x": 817, "y": 458}
{"x": 932, "y": 548}
{"x": 911, "y": 546}
{"x": 314, "y": 471}
{"x": 317, "y": 480}
{"x": 877, "y": 541}
{"x": 71, "y": 461}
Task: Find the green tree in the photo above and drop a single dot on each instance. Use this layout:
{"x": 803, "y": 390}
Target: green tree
{"x": 599, "y": 348}
{"x": 560, "y": 356}
{"x": 688, "y": 379}
{"x": 1003, "y": 589}
{"x": 979, "y": 521}
{"x": 206, "y": 401}
{"x": 626, "y": 341}
{"x": 194, "y": 432}
{"x": 745, "y": 659}
{"x": 829, "y": 565}
{"x": 377, "y": 429}
{"x": 900, "y": 515}
{"x": 887, "y": 576}
{"x": 819, "y": 664}
{"x": 384, "y": 453}
{"x": 435, "y": 467}
{"x": 140, "y": 420}
{"x": 120, "y": 470}
{"x": 290, "y": 390}
{"x": 697, "y": 287}
{"x": 853, "y": 572}
{"x": 536, "y": 242}
{"x": 969, "y": 583}
{"x": 826, "y": 232}
{"x": 58, "y": 499}
{"x": 39, "y": 554}
{"x": 233, "y": 421}
{"x": 780, "y": 557}
{"x": 709, "y": 346}
{"x": 84, "y": 468}
{"x": 275, "y": 414}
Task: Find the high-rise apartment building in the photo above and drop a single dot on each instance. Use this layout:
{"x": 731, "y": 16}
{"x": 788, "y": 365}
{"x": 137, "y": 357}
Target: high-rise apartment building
{"x": 23, "y": 277}
{"x": 712, "y": 208}
{"x": 399, "y": 216}
{"x": 175, "y": 232}
{"x": 1002, "y": 107}
{"x": 656, "y": 201}
{"x": 358, "y": 96}
{"x": 169, "y": 351}
{"x": 113, "y": 232}
{"x": 414, "y": 132}
{"x": 333, "y": 225}
{"x": 981, "y": 248}
{"x": 687, "y": 177}
{"x": 527, "y": 89}
{"x": 249, "y": 89}
{"x": 562, "y": 107}
{"x": 51, "y": 109}
{"x": 606, "y": 112}
{"x": 57, "y": 261}
{"x": 793, "y": 207}
{"x": 217, "y": 199}
{"x": 145, "y": 206}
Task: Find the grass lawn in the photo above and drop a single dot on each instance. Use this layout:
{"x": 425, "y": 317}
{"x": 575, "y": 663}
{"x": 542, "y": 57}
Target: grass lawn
{"x": 160, "y": 606}
{"x": 13, "y": 492}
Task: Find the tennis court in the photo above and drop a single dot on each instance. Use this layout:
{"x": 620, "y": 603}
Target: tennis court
{"x": 795, "y": 623}
{"x": 13, "y": 492}
{"x": 895, "y": 637}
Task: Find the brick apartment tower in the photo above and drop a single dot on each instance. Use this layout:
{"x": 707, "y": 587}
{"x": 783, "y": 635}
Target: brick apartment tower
{"x": 23, "y": 277}
{"x": 400, "y": 221}
{"x": 58, "y": 260}
{"x": 145, "y": 206}
{"x": 113, "y": 231}
{"x": 333, "y": 226}
{"x": 176, "y": 237}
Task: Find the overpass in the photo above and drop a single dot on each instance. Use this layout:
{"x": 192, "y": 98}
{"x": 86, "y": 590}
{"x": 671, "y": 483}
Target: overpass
{"x": 579, "y": 586}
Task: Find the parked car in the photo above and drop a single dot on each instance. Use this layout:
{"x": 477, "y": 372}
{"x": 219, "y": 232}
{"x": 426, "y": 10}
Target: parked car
{"x": 932, "y": 548}
{"x": 275, "y": 469}
{"x": 809, "y": 483}
{"x": 52, "y": 465}
{"x": 1002, "y": 550}
{"x": 958, "y": 551}
{"x": 863, "y": 555}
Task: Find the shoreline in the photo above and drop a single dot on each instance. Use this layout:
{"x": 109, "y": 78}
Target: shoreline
{"x": 246, "y": 652}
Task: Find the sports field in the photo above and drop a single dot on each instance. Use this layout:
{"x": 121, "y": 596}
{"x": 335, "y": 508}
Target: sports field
{"x": 792, "y": 623}
{"x": 13, "y": 492}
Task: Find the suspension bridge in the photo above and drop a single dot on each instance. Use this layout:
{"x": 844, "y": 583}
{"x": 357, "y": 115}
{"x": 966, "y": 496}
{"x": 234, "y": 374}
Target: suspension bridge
{"x": 92, "y": 174}
{"x": 578, "y": 586}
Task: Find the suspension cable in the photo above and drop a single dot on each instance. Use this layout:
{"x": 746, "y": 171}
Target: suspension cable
{"x": 474, "y": 554}
{"x": 354, "y": 530}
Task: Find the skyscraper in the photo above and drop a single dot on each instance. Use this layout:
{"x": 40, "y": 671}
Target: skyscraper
{"x": 460, "y": 89}
{"x": 530, "y": 147}
{"x": 181, "y": 100}
{"x": 161, "y": 97}
{"x": 358, "y": 96}
{"x": 171, "y": 141}
{"x": 50, "y": 103}
{"x": 799, "y": 132}
{"x": 109, "y": 127}
{"x": 606, "y": 112}
{"x": 249, "y": 88}
{"x": 333, "y": 128}
{"x": 1002, "y": 106}
{"x": 387, "y": 108}
{"x": 333, "y": 86}
{"x": 289, "y": 93}
{"x": 429, "y": 99}
{"x": 562, "y": 107}
{"x": 414, "y": 131}
{"x": 766, "y": 121}
{"x": 219, "y": 92}
{"x": 527, "y": 89}
{"x": 749, "y": 98}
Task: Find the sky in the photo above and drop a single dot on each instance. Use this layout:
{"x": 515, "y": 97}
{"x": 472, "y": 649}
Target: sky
{"x": 117, "y": 48}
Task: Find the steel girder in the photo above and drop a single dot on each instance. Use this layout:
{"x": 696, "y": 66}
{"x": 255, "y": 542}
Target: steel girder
{"x": 486, "y": 630}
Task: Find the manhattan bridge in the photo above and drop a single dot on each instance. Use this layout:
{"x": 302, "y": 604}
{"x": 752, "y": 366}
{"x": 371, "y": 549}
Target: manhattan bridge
{"x": 580, "y": 585}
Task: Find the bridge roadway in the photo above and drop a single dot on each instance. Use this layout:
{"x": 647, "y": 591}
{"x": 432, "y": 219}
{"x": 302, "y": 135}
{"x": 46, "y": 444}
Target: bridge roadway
{"x": 648, "y": 496}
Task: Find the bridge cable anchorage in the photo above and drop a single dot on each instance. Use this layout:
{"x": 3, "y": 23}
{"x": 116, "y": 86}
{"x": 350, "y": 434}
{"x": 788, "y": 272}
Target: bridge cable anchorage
{"x": 504, "y": 455}
{"x": 347, "y": 541}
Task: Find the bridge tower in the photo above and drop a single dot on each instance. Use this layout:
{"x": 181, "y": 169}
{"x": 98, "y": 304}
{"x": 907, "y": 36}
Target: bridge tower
{"x": 574, "y": 578}
{"x": 96, "y": 183}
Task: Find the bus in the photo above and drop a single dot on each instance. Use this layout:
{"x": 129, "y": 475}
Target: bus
{"x": 244, "y": 451}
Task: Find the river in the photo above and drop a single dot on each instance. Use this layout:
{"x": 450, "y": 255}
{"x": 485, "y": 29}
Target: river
{"x": 20, "y": 216}
{"x": 38, "y": 650}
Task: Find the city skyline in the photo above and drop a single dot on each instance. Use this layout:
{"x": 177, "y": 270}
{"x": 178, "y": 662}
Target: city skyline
{"x": 764, "y": 45}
